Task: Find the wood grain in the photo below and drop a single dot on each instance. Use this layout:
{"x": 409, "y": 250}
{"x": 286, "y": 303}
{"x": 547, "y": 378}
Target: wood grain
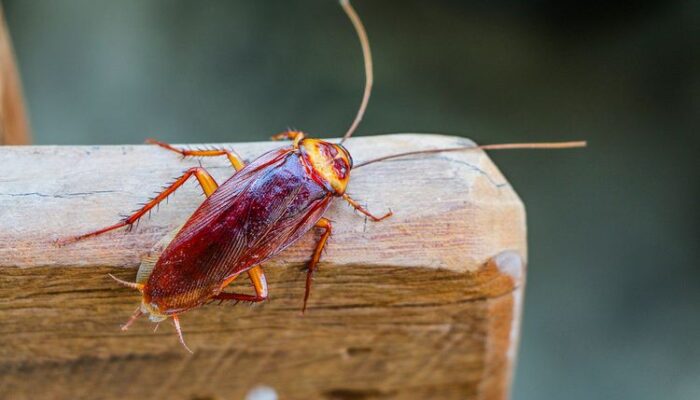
{"x": 423, "y": 305}
{"x": 14, "y": 128}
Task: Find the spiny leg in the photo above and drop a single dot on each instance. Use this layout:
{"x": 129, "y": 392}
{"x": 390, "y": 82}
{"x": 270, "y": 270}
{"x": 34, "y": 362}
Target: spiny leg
{"x": 133, "y": 318}
{"x": 133, "y": 285}
{"x": 363, "y": 210}
{"x": 205, "y": 180}
{"x": 235, "y": 160}
{"x": 324, "y": 224}
{"x": 137, "y": 313}
{"x": 176, "y": 321}
{"x": 294, "y": 136}
{"x": 257, "y": 278}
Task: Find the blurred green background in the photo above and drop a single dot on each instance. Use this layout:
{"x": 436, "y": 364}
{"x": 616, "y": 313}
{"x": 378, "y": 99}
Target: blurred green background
{"x": 612, "y": 305}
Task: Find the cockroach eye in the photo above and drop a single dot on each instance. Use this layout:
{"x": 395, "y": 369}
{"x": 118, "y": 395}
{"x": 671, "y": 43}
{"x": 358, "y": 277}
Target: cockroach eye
{"x": 347, "y": 155}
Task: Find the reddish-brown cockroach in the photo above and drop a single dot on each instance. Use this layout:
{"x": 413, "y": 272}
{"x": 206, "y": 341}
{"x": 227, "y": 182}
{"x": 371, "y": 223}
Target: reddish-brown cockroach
{"x": 263, "y": 208}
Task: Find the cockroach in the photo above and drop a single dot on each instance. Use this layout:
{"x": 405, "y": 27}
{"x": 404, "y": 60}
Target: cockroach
{"x": 264, "y": 207}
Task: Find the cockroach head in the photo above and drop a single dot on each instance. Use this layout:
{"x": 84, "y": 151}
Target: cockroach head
{"x": 331, "y": 163}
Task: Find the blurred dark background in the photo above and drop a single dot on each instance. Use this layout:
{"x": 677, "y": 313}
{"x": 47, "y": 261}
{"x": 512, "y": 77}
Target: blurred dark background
{"x": 612, "y": 305}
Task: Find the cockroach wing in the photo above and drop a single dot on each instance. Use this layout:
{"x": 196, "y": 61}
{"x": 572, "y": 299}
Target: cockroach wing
{"x": 149, "y": 261}
{"x": 254, "y": 215}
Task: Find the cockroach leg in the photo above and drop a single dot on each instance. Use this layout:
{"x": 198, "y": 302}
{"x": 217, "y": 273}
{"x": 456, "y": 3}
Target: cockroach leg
{"x": 133, "y": 318}
{"x": 238, "y": 297}
{"x": 234, "y": 158}
{"x": 257, "y": 278}
{"x": 364, "y": 211}
{"x": 295, "y": 136}
{"x": 133, "y": 285}
{"x": 325, "y": 224}
{"x": 205, "y": 180}
{"x": 176, "y": 321}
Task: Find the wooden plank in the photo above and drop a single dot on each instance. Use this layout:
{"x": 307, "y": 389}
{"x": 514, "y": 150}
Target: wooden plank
{"x": 14, "y": 128}
{"x": 407, "y": 308}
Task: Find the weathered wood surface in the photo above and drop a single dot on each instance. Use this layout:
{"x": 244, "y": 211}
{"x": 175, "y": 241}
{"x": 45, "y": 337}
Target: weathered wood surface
{"x": 406, "y": 308}
{"x": 14, "y": 128}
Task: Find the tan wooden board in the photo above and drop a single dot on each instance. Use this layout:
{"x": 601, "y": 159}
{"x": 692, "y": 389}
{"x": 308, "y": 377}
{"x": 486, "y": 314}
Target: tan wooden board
{"x": 405, "y": 308}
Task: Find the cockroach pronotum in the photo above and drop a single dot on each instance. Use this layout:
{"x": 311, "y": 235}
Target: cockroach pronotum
{"x": 266, "y": 206}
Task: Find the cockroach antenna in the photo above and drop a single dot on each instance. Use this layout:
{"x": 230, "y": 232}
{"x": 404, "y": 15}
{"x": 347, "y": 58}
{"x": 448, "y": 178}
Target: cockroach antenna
{"x": 369, "y": 80}
{"x": 367, "y": 54}
{"x": 503, "y": 146}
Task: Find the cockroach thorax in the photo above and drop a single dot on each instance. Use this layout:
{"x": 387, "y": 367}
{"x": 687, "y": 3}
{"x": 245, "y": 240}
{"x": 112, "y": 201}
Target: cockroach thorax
{"x": 331, "y": 163}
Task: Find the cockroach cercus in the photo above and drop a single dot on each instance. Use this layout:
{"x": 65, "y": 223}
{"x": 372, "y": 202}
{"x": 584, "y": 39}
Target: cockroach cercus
{"x": 266, "y": 206}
